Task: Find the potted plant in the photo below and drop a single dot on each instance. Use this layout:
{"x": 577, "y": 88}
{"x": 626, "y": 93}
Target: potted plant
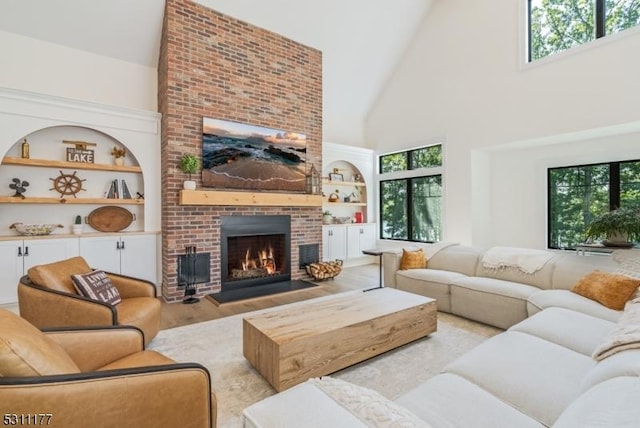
{"x": 118, "y": 155}
{"x": 76, "y": 228}
{"x": 189, "y": 164}
{"x": 617, "y": 227}
{"x": 327, "y": 217}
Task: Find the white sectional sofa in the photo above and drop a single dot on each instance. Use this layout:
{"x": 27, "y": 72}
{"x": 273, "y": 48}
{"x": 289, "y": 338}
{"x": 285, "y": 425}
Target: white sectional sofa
{"x": 457, "y": 278}
{"x": 539, "y": 373}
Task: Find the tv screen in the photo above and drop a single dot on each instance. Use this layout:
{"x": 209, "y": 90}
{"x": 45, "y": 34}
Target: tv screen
{"x": 241, "y": 156}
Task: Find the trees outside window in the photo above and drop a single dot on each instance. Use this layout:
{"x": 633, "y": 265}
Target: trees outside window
{"x": 557, "y": 25}
{"x": 411, "y": 205}
{"x": 579, "y": 194}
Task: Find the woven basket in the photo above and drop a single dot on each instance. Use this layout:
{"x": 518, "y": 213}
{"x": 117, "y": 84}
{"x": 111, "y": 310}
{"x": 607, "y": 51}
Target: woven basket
{"x": 324, "y": 270}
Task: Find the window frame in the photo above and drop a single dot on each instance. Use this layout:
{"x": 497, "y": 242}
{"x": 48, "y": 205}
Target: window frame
{"x": 615, "y": 188}
{"x": 408, "y": 175}
{"x": 600, "y": 20}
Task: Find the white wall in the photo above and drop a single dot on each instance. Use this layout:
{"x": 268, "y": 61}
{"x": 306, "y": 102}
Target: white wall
{"x": 464, "y": 80}
{"x": 33, "y": 65}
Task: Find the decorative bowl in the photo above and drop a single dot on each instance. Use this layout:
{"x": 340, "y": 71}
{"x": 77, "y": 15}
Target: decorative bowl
{"x": 34, "y": 229}
{"x": 341, "y": 220}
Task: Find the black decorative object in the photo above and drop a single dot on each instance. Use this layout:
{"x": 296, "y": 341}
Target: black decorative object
{"x": 188, "y": 268}
{"x": 19, "y": 186}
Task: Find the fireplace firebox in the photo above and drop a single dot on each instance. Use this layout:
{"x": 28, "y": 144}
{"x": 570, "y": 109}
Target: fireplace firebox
{"x": 254, "y": 250}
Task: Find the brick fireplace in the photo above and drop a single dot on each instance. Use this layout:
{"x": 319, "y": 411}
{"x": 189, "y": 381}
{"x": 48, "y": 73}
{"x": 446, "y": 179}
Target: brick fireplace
{"x": 212, "y": 65}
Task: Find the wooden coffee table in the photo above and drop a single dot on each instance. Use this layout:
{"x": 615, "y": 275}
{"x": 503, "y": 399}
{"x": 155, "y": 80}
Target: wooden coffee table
{"x": 318, "y": 337}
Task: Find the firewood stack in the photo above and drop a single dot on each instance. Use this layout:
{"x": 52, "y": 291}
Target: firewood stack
{"x": 324, "y": 270}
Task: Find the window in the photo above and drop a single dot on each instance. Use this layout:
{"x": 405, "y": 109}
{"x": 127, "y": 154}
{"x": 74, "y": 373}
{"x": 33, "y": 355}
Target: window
{"x": 411, "y": 195}
{"x": 578, "y": 194}
{"x": 557, "y": 25}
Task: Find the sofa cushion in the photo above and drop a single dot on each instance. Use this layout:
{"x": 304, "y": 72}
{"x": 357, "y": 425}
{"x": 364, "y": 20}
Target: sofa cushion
{"x": 26, "y": 351}
{"x": 625, "y": 363}
{"x": 413, "y": 259}
{"x": 574, "y": 330}
{"x": 450, "y": 400}
{"x": 569, "y": 268}
{"x": 456, "y": 258}
{"x": 566, "y": 299}
{"x": 491, "y": 301}
{"x": 57, "y": 275}
{"x": 610, "y": 289}
{"x": 304, "y": 405}
{"x": 96, "y": 285}
{"x": 431, "y": 283}
{"x": 537, "y": 377}
{"x": 613, "y": 403}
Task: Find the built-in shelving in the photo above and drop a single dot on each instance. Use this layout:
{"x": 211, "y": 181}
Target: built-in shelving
{"x": 343, "y": 183}
{"x": 71, "y": 165}
{"x": 58, "y": 201}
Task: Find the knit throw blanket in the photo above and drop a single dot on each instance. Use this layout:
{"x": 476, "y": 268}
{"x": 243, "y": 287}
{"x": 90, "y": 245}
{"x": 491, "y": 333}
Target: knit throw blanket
{"x": 625, "y": 335}
{"x": 523, "y": 259}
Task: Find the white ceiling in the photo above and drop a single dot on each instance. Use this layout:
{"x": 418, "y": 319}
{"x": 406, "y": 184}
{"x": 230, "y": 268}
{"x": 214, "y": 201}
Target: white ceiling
{"x": 361, "y": 40}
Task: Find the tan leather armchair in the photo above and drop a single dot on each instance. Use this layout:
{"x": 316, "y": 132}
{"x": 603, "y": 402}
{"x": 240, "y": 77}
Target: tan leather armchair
{"x": 47, "y": 299}
{"x": 97, "y": 377}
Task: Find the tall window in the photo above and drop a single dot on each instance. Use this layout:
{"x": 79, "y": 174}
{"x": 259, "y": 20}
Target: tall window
{"x": 411, "y": 195}
{"x": 557, "y": 25}
{"x": 579, "y": 194}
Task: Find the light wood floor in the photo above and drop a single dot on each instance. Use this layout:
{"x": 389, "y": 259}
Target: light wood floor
{"x": 351, "y": 278}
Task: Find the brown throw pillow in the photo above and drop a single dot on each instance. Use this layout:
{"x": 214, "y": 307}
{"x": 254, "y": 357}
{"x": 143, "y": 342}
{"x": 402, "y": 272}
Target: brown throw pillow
{"x": 610, "y": 289}
{"x": 413, "y": 259}
{"x": 96, "y": 285}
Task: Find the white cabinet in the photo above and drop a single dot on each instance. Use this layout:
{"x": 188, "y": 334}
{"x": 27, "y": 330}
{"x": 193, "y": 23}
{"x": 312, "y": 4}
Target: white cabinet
{"x": 360, "y": 237}
{"x": 16, "y": 257}
{"x": 334, "y": 242}
{"x": 346, "y": 241}
{"x": 131, "y": 255}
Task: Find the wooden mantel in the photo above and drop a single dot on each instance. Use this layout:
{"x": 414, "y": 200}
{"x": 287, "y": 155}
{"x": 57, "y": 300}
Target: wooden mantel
{"x": 217, "y": 197}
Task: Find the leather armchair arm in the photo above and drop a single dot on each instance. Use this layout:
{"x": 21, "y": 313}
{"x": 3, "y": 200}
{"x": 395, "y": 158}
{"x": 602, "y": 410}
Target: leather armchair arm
{"x": 163, "y": 396}
{"x": 92, "y": 348}
{"x": 132, "y": 287}
{"x": 44, "y": 308}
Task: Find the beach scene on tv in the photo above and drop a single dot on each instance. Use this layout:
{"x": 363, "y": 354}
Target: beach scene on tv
{"x": 242, "y": 156}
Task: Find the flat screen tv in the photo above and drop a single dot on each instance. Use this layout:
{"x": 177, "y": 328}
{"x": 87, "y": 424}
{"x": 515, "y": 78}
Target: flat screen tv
{"x": 241, "y": 156}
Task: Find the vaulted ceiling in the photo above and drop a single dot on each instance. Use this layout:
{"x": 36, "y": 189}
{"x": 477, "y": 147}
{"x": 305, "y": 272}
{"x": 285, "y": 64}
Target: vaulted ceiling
{"x": 361, "y": 40}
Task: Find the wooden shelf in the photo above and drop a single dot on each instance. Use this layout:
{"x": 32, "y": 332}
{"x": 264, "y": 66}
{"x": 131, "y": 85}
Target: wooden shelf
{"x": 49, "y": 200}
{"x": 350, "y": 204}
{"x": 343, "y": 183}
{"x": 216, "y": 197}
{"x": 70, "y": 165}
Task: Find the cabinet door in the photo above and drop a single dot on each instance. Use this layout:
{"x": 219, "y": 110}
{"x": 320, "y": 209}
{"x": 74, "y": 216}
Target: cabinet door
{"x": 41, "y": 251}
{"x": 138, "y": 256}
{"x": 334, "y": 243}
{"x": 368, "y": 236}
{"x": 360, "y": 237}
{"x": 10, "y": 270}
{"x": 101, "y": 252}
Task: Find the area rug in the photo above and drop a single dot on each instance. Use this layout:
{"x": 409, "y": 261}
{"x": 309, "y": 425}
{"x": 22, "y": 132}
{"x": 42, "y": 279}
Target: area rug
{"x": 217, "y": 345}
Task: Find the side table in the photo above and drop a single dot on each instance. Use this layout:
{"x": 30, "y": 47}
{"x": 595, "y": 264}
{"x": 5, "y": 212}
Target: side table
{"x": 375, "y": 252}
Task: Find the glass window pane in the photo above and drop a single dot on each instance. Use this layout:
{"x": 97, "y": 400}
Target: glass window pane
{"x": 393, "y": 206}
{"x": 426, "y": 209}
{"x": 557, "y": 25}
{"x": 630, "y": 184}
{"x": 393, "y": 162}
{"x": 621, "y": 14}
{"x": 576, "y": 196}
{"x": 427, "y": 157}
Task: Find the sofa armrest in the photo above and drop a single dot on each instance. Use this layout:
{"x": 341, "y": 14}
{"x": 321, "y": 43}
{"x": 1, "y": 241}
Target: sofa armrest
{"x": 169, "y": 395}
{"x": 132, "y": 287}
{"x": 390, "y": 263}
{"x": 92, "y": 348}
{"x": 44, "y": 308}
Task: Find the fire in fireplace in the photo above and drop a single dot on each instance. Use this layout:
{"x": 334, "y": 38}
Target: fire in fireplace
{"x": 254, "y": 250}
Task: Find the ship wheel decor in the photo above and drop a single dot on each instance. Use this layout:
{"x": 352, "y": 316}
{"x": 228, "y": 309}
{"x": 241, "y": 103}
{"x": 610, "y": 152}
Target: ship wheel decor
{"x": 67, "y": 184}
